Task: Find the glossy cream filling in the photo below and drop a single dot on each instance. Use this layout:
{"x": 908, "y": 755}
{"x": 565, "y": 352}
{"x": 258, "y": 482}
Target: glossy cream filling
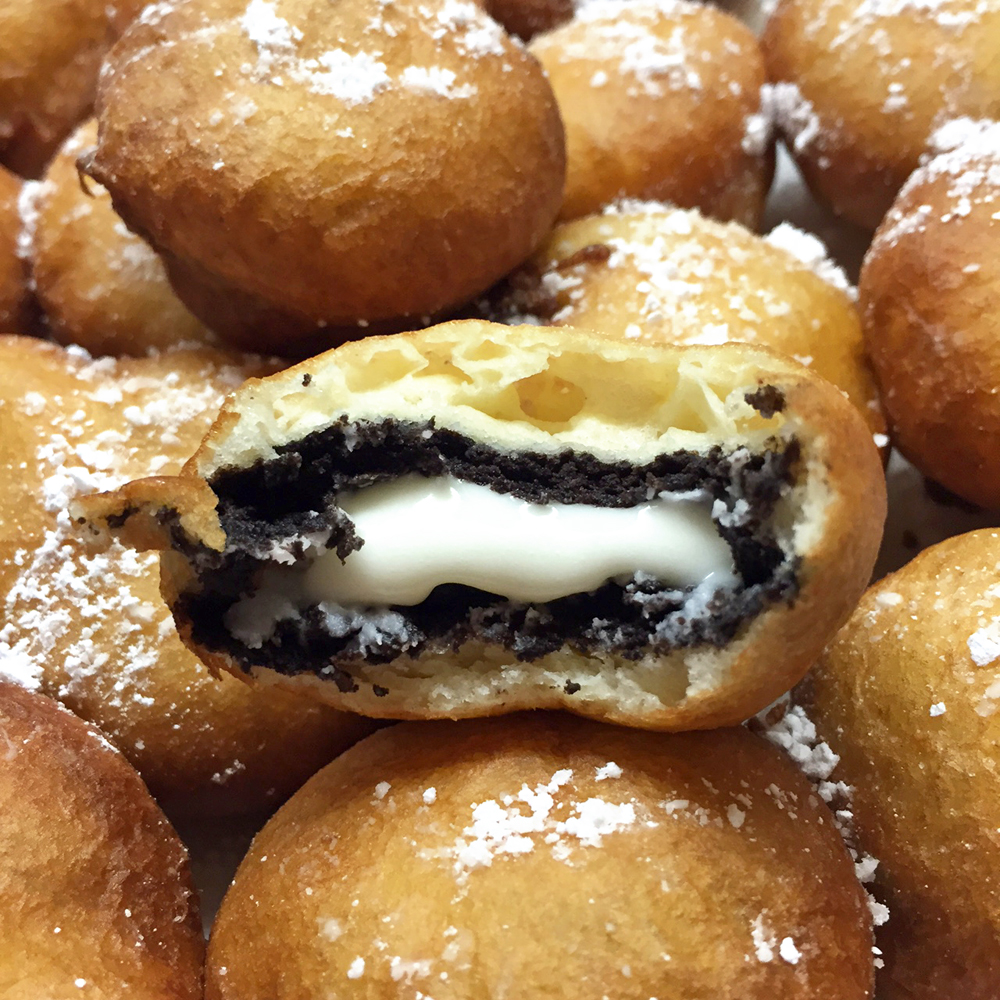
{"x": 420, "y": 533}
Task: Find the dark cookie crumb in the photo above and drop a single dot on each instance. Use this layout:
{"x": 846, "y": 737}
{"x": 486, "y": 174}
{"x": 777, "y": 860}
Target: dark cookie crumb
{"x": 571, "y": 687}
{"x": 767, "y": 400}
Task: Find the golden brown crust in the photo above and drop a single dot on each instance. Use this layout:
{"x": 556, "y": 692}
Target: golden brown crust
{"x": 856, "y": 98}
{"x": 50, "y": 55}
{"x": 99, "y": 285}
{"x": 660, "y": 99}
{"x": 89, "y": 625}
{"x": 489, "y": 382}
{"x": 654, "y": 274}
{"x": 928, "y": 290}
{"x": 907, "y": 696}
{"x": 97, "y": 895}
{"x": 15, "y": 300}
{"x": 557, "y": 854}
{"x": 347, "y": 192}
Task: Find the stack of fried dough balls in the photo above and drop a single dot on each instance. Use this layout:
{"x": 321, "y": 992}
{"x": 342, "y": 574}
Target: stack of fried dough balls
{"x": 929, "y": 289}
{"x": 97, "y": 284}
{"x": 861, "y": 87}
{"x": 908, "y": 695}
{"x": 660, "y": 99}
{"x": 87, "y": 624}
{"x": 50, "y": 56}
{"x": 306, "y": 168}
{"x": 97, "y": 895}
{"x": 647, "y": 272}
{"x": 547, "y": 856}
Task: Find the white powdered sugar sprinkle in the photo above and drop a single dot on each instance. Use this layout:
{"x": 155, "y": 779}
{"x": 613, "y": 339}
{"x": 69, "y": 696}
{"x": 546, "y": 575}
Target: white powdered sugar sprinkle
{"x": 357, "y": 77}
{"x": 810, "y": 250}
{"x": 984, "y": 643}
{"x": 66, "y": 596}
{"x": 795, "y": 733}
{"x": 964, "y": 152}
{"x": 543, "y": 816}
{"x": 658, "y": 57}
{"x": 792, "y": 114}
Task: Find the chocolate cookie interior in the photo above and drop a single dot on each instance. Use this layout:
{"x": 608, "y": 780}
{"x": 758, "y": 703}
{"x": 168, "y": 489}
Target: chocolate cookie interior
{"x": 281, "y": 514}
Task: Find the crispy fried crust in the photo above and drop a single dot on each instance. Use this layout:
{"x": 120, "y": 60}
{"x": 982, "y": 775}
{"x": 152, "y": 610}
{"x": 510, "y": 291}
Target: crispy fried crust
{"x": 856, "y": 100}
{"x": 907, "y": 696}
{"x": 335, "y": 165}
{"x": 683, "y": 135}
{"x": 50, "y": 55}
{"x": 95, "y": 883}
{"x": 99, "y": 285}
{"x": 16, "y": 315}
{"x": 534, "y": 389}
{"x": 928, "y": 290}
{"x": 462, "y": 857}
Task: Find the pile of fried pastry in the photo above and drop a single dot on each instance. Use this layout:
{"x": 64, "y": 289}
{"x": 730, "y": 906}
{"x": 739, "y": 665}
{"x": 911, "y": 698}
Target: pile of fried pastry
{"x": 408, "y": 439}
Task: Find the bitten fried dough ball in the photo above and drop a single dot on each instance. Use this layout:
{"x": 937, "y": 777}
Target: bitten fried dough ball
{"x": 861, "y": 87}
{"x": 90, "y": 627}
{"x": 908, "y": 696}
{"x": 929, "y": 288}
{"x": 477, "y": 518}
{"x": 96, "y": 899}
{"x": 566, "y": 857}
{"x": 50, "y": 55}
{"x": 99, "y": 285}
{"x": 660, "y": 99}
{"x": 655, "y": 274}
{"x": 347, "y": 165}
{"x": 15, "y": 312}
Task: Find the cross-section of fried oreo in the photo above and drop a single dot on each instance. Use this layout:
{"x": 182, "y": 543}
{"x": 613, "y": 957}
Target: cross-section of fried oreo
{"x": 475, "y": 519}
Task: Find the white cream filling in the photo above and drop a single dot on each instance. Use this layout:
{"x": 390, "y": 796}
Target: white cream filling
{"x": 420, "y": 533}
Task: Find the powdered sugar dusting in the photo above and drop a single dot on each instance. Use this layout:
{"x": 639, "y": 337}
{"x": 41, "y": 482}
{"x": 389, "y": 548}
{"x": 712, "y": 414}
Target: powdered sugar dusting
{"x": 984, "y": 643}
{"x": 809, "y": 250}
{"x": 435, "y": 80}
{"x": 66, "y": 595}
{"x": 794, "y": 116}
{"x": 356, "y": 77}
{"x": 545, "y": 816}
{"x": 650, "y": 45}
{"x": 795, "y": 733}
{"x": 968, "y": 160}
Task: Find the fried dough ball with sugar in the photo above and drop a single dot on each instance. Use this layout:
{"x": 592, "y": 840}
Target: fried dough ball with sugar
{"x": 908, "y": 696}
{"x": 15, "y": 309}
{"x": 648, "y": 272}
{"x": 862, "y": 85}
{"x": 90, "y": 626}
{"x": 660, "y": 99}
{"x": 570, "y": 858}
{"x": 99, "y": 285}
{"x": 309, "y": 170}
{"x": 929, "y": 288}
{"x": 50, "y": 55}
{"x": 97, "y": 898}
